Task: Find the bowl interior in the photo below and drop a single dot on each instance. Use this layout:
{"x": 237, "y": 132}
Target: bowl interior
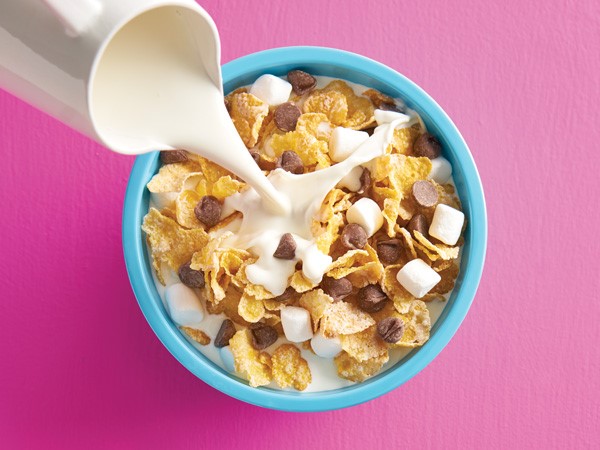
{"x": 333, "y": 63}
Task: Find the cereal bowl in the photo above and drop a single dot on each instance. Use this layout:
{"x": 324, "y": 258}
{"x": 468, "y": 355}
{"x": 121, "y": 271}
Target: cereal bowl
{"x": 357, "y": 69}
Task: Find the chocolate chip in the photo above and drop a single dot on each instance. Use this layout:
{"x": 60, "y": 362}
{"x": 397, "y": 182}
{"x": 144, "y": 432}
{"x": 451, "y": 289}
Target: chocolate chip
{"x": 255, "y": 156}
{"x": 301, "y": 81}
{"x": 389, "y": 107}
{"x": 389, "y": 251}
{"x": 425, "y": 193}
{"x": 286, "y": 116}
{"x": 291, "y": 162}
{"x": 190, "y": 277}
{"x": 336, "y": 289}
{"x": 173, "y": 156}
{"x": 391, "y": 329}
{"x": 371, "y": 298}
{"x": 354, "y": 236}
{"x": 286, "y": 248}
{"x": 428, "y": 146}
{"x": 208, "y": 210}
{"x": 287, "y": 294}
{"x": 365, "y": 181}
{"x": 262, "y": 336}
{"x": 225, "y": 333}
{"x": 418, "y": 222}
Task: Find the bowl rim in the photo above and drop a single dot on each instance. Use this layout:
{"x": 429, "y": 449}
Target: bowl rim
{"x": 143, "y": 285}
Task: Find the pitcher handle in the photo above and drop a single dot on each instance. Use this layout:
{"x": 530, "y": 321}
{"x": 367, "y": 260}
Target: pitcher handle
{"x": 75, "y": 15}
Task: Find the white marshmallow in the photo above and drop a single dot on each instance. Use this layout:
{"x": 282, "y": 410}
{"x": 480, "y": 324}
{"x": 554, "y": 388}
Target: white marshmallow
{"x": 325, "y": 347}
{"x": 441, "y": 170}
{"x": 227, "y": 358}
{"x": 446, "y": 224}
{"x": 296, "y": 324}
{"x": 271, "y": 89}
{"x": 344, "y": 141}
{"x": 184, "y": 305}
{"x": 352, "y": 180}
{"x": 382, "y": 116}
{"x": 417, "y": 277}
{"x": 162, "y": 199}
{"x": 367, "y": 214}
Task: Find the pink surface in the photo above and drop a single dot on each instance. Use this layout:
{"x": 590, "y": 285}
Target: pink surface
{"x": 82, "y": 369}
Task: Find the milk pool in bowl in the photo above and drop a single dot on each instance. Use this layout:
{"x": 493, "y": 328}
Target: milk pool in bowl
{"x": 335, "y": 392}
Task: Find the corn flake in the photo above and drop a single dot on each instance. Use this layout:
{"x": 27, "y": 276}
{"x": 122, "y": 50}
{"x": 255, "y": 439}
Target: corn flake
{"x": 171, "y": 177}
{"x": 353, "y": 370}
{"x": 361, "y": 267}
{"x": 444, "y": 251}
{"x": 169, "y": 243}
{"x": 247, "y": 113}
{"x": 344, "y": 318}
{"x": 249, "y": 362}
{"x": 316, "y": 303}
{"x": 364, "y": 345}
{"x": 417, "y": 325}
{"x": 289, "y": 368}
{"x": 197, "y": 335}
{"x": 250, "y": 309}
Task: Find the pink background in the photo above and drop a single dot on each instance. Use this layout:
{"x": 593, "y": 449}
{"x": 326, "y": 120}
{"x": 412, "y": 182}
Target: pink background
{"x": 82, "y": 369}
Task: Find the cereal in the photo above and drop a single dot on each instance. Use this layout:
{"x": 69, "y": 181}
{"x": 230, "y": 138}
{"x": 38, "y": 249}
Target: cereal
{"x": 247, "y": 113}
{"x": 372, "y": 225}
{"x": 344, "y": 318}
{"x": 169, "y": 243}
{"x": 249, "y": 362}
{"x": 364, "y": 345}
{"x": 353, "y": 370}
{"x": 197, "y": 335}
{"x": 289, "y": 368}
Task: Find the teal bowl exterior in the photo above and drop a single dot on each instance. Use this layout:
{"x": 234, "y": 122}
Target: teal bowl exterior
{"x": 358, "y": 69}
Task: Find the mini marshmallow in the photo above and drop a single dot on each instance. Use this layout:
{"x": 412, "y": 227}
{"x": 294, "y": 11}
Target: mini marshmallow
{"x": 383, "y": 116}
{"x": 325, "y": 347}
{"x": 271, "y": 89}
{"x": 367, "y": 214}
{"x": 296, "y": 323}
{"x": 227, "y": 358}
{"x": 441, "y": 170}
{"x": 352, "y": 180}
{"x": 446, "y": 224}
{"x": 184, "y": 305}
{"x": 344, "y": 141}
{"x": 162, "y": 199}
{"x": 417, "y": 277}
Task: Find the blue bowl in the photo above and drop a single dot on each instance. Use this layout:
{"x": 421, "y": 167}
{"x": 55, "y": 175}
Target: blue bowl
{"x": 352, "y": 67}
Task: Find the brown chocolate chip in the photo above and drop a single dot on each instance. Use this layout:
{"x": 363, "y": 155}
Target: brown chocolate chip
{"x": 208, "y": 210}
{"x": 286, "y": 116}
{"x": 427, "y": 145}
{"x": 225, "y": 333}
{"x": 190, "y": 277}
{"x": 173, "y": 156}
{"x": 336, "y": 289}
{"x": 301, "y": 81}
{"x": 255, "y": 156}
{"x": 371, "y": 298}
{"x": 286, "y": 248}
{"x": 389, "y": 251}
{"x": 425, "y": 193}
{"x": 291, "y": 162}
{"x": 354, "y": 236}
{"x": 263, "y": 336}
{"x": 365, "y": 181}
{"x": 391, "y": 329}
{"x": 418, "y": 222}
{"x": 287, "y": 294}
{"x": 389, "y": 107}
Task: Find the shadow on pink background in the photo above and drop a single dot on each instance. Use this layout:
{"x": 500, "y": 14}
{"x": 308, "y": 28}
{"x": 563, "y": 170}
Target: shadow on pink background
{"x": 82, "y": 369}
